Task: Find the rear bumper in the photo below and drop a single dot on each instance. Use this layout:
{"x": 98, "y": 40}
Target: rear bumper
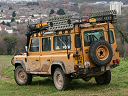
{"x": 92, "y": 72}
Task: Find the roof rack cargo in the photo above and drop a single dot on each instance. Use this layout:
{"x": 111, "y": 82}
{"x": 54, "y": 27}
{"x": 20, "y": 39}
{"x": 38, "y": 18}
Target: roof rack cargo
{"x": 67, "y": 22}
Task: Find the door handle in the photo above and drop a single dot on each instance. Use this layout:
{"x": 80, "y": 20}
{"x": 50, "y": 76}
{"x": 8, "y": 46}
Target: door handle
{"x": 37, "y": 60}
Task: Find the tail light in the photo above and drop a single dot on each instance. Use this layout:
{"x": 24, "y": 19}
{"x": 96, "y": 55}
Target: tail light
{"x": 87, "y": 64}
{"x": 117, "y": 61}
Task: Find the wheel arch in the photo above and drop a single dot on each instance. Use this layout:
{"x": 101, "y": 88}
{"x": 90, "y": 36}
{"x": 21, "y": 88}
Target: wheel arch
{"x": 20, "y": 63}
{"x": 57, "y": 65}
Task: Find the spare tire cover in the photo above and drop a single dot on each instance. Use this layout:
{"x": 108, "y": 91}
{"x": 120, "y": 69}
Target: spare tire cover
{"x": 101, "y": 53}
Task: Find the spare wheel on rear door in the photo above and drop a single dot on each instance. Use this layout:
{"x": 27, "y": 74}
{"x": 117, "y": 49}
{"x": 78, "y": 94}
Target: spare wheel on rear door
{"x": 101, "y": 53}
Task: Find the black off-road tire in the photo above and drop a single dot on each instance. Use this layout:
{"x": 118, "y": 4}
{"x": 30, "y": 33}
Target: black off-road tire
{"x": 104, "y": 79}
{"x": 64, "y": 80}
{"x": 25, "y": 79}
{"x": 94, "y": 57}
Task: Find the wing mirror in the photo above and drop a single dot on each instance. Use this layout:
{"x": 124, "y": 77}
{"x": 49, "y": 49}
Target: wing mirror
{"x": 26, "y": 50}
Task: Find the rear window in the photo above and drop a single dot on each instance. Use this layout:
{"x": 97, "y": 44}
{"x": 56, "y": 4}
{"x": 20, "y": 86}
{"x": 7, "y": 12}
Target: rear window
{"x": 93, "y": 36}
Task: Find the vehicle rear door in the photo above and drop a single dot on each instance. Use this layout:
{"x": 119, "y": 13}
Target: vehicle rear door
{"x": 45, "y": 57}
{"x": 89, "y": 37}
{"x": 63, "y": 53}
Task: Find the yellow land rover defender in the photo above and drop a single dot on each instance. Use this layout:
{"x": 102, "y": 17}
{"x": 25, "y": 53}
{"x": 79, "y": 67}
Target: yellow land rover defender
{"x": 68, "y": 47}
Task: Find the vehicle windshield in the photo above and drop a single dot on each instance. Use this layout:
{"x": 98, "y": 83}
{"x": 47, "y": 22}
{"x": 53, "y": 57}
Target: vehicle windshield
{"x": 93, "y": 36}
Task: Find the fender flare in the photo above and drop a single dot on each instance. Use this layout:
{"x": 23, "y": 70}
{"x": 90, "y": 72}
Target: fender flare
{"x": 20, "y": 62}
{"x": 60, "y": 64}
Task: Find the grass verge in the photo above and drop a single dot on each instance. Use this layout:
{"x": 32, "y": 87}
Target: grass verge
{"x": 45, "y": 87}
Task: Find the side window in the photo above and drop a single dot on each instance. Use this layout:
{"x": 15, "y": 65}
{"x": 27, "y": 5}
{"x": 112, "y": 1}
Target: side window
{"x": 34, "y": 46}
{"x": 111, "y": 37}
{"x": 77, "y": 41}
{"x": 46, "y": 44}
{"x": 62, "y": 42}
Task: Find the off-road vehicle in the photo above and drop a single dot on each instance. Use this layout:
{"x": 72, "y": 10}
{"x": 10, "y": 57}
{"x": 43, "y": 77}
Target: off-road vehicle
{"x": 67, "y": 48}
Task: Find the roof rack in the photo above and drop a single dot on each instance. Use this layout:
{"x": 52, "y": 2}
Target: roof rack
{"x": 67, "y": 22}
{"x": 106, "y": 16}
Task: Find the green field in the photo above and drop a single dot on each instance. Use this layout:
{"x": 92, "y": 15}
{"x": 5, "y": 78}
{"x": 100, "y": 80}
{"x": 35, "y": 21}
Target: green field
{"x": 45, "y": 87}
